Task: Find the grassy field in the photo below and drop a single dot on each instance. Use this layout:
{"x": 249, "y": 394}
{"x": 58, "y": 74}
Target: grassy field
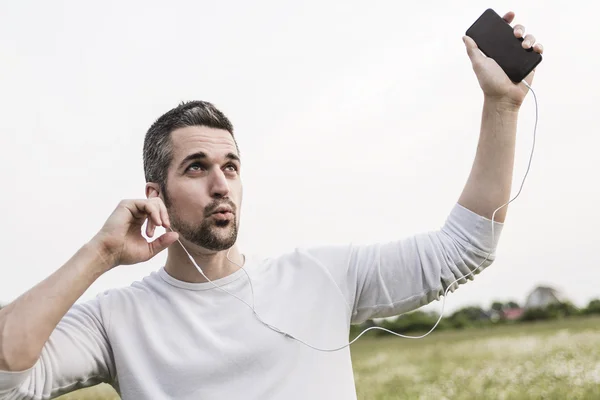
{"x": 549, "y": 360}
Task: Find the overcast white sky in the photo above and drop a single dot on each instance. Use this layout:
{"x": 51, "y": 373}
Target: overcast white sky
{"x": 358, "y": 121}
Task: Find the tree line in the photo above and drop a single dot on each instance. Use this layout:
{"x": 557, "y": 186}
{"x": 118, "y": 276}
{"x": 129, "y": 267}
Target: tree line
{"x": 475, "y": 316}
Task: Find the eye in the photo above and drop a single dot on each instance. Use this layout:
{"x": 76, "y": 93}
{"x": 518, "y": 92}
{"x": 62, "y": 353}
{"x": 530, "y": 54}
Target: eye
{"x": 231, "y": 168}
{"x": 195, "y": 167}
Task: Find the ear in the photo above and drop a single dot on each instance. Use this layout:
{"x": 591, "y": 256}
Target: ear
{"x": 152, "y": 190}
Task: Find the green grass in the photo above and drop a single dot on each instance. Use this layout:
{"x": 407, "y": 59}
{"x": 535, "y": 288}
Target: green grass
{"x": 549, "y": 360}
{"x": 546, "y": 360}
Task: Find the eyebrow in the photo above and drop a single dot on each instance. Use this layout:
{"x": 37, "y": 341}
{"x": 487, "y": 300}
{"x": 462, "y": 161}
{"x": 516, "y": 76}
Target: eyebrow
{"x": 201, "y": 156}
{"x": 233, "y": 156}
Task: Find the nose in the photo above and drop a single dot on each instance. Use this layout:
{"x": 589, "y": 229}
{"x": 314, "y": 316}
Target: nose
{"x": 219, "y": 187}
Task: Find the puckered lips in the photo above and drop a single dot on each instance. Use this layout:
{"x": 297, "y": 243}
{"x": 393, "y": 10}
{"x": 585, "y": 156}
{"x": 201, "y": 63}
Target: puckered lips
{"x": 222, "y": 213}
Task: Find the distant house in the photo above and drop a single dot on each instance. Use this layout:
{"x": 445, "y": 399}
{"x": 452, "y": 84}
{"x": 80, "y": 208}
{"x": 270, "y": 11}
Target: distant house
{"x": 543, "y": 296}
{"x": 512, "y": 314}
{"x": 507, "y": 313}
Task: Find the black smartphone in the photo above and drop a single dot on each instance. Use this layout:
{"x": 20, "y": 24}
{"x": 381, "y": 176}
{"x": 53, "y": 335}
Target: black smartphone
{"x": 495, "y": 38}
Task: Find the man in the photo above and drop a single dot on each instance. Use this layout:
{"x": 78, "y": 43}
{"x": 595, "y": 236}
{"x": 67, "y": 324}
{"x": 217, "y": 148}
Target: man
{"x": 175, "y": 335}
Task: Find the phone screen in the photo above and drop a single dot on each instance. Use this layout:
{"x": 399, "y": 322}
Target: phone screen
{"x": 495, "y": 38}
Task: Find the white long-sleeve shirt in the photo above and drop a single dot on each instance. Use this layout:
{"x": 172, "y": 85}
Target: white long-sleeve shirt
{"x": 162, "y": 338}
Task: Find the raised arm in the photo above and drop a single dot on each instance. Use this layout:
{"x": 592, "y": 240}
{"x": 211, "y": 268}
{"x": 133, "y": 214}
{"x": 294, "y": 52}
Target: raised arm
{"x": 490, "y": 181}
{"x": 26, "y": 325}
{"x": 388, "y": 279}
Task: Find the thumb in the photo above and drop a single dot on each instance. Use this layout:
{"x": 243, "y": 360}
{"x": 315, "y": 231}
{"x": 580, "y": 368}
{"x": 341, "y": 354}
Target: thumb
{"x": 472, "y": 50}
{"x": 162, "y": 242}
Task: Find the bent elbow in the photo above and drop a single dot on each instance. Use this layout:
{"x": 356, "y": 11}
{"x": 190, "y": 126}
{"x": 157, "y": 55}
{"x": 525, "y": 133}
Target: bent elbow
{"x": 13, "y": 358}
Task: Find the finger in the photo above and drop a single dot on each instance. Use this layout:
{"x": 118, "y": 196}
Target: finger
{"x": 528, "y": 41}
{"x": 472, "y": 50}
{"x": 519, "y": 30}
{"x": 140, "y": 210}
{"x": 131, "y": 206}
{"x": 509, "y": 16}
{"x": 149, "y": 228}
{"x": 162, "y": 242}
{"x": 150, "y": 210}
{"x": 164, "y": 214}
{"x": 538, "y": 48}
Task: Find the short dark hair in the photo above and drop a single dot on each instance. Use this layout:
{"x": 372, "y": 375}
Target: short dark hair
{"x": 158, "y": 149}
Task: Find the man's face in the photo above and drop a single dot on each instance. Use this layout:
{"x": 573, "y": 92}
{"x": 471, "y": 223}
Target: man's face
{"x": 204, "y": 189}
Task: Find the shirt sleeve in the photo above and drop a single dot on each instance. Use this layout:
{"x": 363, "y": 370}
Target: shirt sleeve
{"x": 388, "y": 279}
{"x": 77, "y": 355}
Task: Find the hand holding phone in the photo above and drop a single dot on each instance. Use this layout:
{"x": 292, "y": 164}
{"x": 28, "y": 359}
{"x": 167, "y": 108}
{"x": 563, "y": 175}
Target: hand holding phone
{"x": 495, "y": 38}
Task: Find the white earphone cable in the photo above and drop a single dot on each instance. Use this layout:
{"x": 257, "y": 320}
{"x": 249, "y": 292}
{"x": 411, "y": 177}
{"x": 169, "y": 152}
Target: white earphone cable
{"x": 377, "y": 327}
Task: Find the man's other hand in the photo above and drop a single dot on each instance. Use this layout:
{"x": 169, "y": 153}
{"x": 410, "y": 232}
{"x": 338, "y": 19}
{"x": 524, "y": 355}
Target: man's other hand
{"x": 120, "y": 241}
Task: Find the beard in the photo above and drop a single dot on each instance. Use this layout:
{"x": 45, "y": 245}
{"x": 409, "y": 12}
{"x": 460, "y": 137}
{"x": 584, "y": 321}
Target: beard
{"x": 211, "y": 234}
